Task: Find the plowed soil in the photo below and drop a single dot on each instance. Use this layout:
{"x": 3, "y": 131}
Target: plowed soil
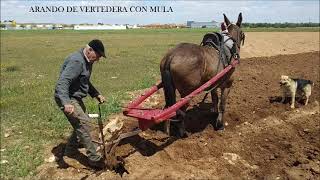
{"x": 263, "y": 138}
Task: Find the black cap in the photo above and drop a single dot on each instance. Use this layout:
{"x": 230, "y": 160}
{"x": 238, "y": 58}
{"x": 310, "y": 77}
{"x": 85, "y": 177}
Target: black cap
{"x": 97, "y": 46}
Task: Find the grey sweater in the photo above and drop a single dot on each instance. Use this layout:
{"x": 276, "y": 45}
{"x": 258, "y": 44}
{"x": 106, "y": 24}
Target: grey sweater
{"x": 74, "y": 80}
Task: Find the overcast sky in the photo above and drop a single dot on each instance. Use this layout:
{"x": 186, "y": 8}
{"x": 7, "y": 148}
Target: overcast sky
{"x": 253, "y": 11}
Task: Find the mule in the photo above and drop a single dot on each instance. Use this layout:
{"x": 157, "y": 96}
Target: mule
{"x": 187, "y": 66}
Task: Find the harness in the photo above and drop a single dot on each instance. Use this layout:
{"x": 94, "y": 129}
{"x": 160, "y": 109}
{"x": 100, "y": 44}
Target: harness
{"x": 219, "y": 41}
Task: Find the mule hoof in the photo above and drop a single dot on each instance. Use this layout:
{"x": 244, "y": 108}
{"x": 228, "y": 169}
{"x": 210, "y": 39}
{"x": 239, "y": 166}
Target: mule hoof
{"x": 218, "y": 126}
{"x": 177, "y": 129}
{"x": 180, "y": 135}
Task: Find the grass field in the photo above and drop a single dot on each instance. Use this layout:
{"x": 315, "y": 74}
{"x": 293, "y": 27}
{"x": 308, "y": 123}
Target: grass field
{"x": 30, "y": 63}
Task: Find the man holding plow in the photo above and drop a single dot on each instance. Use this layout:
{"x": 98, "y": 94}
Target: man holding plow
{"x": 73, "y": 85}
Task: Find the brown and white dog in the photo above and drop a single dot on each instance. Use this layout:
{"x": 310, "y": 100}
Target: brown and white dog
{"x": 295, "y": 87}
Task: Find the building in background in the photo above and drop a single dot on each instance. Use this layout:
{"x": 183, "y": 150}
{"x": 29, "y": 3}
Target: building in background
{"x": 100, "y": 27}
{"x": 195, "y": 24}
{"x": 8, "y": 25}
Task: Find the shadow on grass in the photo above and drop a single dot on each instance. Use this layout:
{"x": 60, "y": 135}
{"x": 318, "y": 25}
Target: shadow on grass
{"x": 58, "y": 151}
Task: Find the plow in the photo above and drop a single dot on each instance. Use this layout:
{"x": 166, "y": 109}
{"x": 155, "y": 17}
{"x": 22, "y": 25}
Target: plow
{"x": 111, "y": 135}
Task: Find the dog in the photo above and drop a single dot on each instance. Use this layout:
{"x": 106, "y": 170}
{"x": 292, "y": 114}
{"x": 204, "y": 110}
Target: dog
{"x": 293, "y": 87}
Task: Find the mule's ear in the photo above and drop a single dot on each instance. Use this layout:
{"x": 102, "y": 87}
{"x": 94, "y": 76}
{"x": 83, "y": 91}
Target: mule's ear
{"x": 226, "y": 20}
{"x": 239, "y": 20}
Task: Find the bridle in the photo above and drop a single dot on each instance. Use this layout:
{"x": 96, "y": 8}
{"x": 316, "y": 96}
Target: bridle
{"x": 240, "y": 36}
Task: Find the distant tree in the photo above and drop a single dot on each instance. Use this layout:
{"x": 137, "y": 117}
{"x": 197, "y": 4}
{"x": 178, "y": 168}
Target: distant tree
{"x": 280, "y": 25}
{"x": 67, "y": 25}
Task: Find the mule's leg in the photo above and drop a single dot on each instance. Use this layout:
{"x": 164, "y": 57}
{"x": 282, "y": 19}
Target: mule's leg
{"x": 215, "y": 108}
{"x": 170, "y": 97}
{"x": 178, "y": 126}
{"x": 215, "y": 100}
{"x": 167, "y": 127}
{"x": 219, "y": 125}
{"x": 181, "y": 115}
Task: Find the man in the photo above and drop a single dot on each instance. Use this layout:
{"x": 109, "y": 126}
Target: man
{"x": 73, "y": 85}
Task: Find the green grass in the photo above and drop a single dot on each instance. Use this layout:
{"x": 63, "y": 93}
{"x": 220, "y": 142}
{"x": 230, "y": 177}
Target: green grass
{"x": 30, "y": 63}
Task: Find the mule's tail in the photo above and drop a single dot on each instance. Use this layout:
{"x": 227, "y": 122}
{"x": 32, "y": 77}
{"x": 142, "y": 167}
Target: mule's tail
{"x": 168, "y": 86}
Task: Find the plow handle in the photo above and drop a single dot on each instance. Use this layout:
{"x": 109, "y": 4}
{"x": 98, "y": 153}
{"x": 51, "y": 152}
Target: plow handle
{"x": 101, "y": 131}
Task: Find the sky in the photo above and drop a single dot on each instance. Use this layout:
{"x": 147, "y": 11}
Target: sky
{"x": 177, "y": 11}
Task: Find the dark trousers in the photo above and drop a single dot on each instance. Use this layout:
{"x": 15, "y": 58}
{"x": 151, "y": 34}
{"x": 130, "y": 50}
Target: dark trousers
{"x": 81, "y": 130}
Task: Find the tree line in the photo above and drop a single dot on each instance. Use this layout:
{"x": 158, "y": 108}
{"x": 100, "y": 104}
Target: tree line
{"x": 280, "y": 25}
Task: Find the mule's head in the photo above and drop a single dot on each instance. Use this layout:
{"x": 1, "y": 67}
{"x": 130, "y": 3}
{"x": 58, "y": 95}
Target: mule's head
{"x": 235, "y": 30}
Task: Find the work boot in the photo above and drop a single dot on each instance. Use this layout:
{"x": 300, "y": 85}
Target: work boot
{"x": 71, "y": 151}
{"x": 97, "y": 164}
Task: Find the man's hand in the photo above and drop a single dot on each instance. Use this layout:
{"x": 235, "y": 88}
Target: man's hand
{"x": 101, "y": 98}
{"x": 68, "y": 108}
